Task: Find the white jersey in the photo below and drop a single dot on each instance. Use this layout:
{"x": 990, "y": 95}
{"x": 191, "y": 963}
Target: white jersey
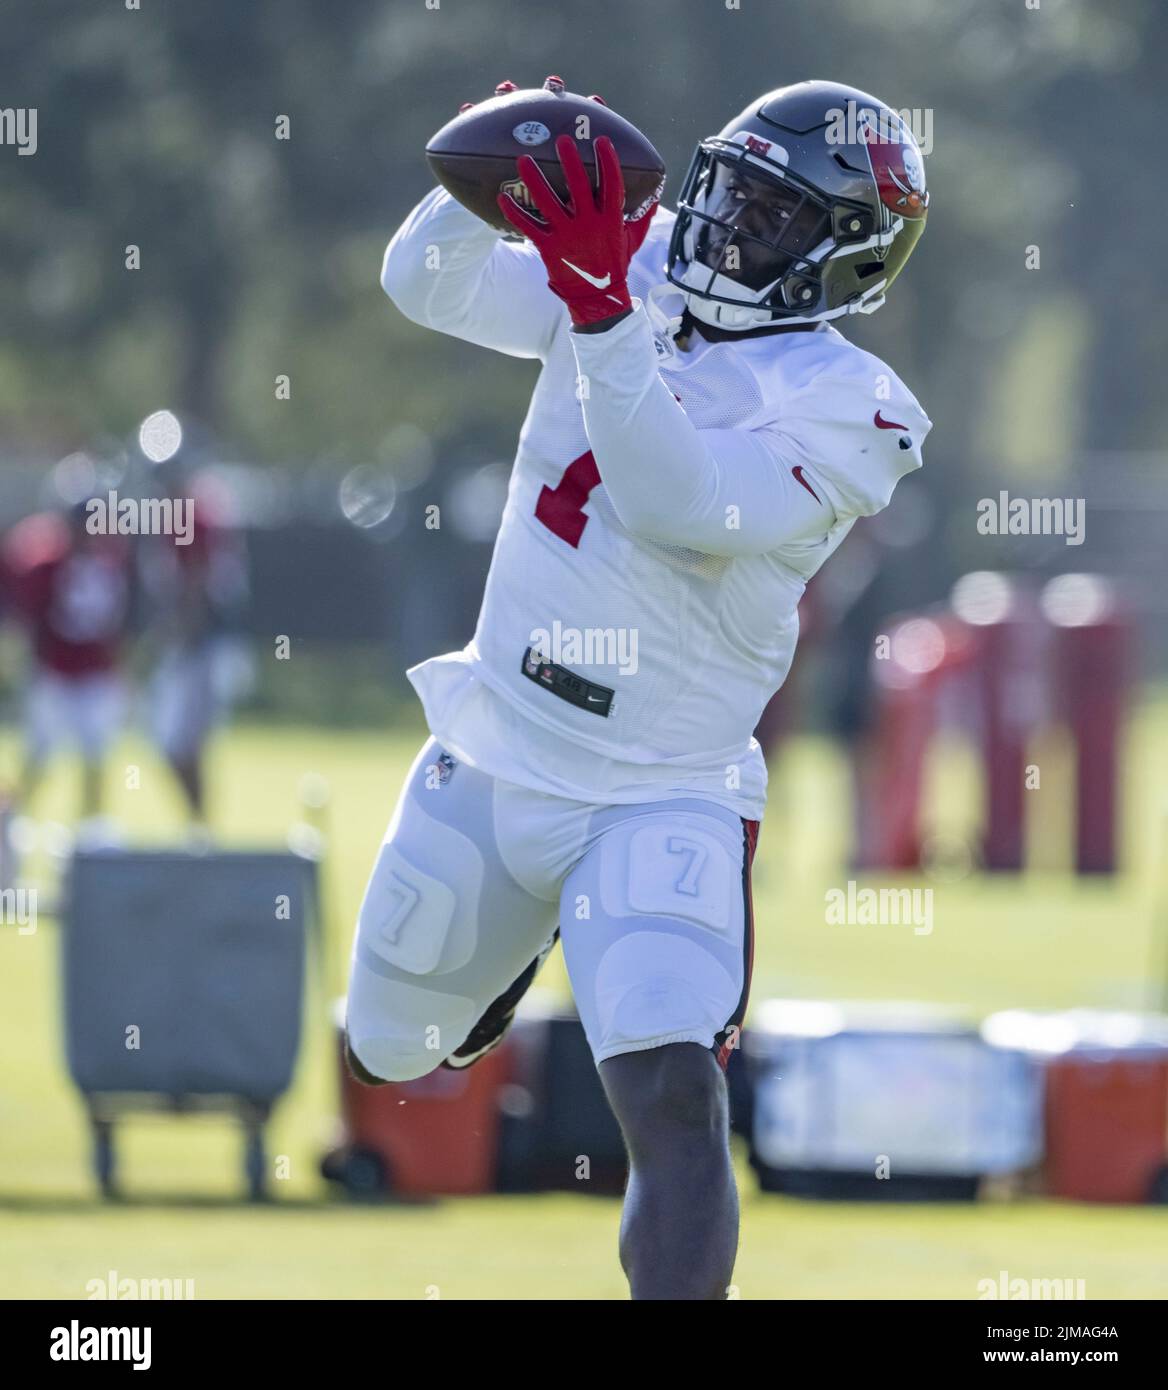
{"x": 666, "y": 508}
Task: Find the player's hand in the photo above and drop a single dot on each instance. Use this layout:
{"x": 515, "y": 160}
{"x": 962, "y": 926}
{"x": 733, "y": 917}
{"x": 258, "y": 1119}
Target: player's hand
{"x": 586, "y": 245}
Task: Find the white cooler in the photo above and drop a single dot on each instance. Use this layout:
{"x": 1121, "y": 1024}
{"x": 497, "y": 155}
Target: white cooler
{"x": 899, "y": 1100}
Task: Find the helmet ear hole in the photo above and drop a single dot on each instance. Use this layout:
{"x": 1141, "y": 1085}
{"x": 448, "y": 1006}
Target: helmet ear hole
{"x": 865, "y": 272}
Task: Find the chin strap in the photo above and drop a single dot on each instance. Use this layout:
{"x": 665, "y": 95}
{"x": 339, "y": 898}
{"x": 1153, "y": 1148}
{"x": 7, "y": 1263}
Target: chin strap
{"x": 665, "y": 325}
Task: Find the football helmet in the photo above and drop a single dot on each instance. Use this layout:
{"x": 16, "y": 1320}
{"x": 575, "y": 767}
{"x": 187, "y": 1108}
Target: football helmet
{"x": 805, "y": 207}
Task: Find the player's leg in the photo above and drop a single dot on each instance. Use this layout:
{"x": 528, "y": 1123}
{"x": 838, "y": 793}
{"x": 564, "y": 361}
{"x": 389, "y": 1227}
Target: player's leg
{"x": 657, "y": 937}
{"x": 45, "y": 726}
{"x": 97, "y": 706}
{"x": 184, "y": 710}
{"x": 92, "y": 785}
{"x": 492, "y": 1027}
{"x": 445, "y": 928}
{"x": 32, "y": 772}
{"x": 679, "y": 1224}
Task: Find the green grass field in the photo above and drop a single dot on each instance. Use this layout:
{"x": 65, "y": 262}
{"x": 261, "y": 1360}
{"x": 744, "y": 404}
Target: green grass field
{"x": 1042, "y": 940}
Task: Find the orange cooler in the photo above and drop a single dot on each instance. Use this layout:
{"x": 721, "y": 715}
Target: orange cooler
{"x": 1106, "y": 1100}
{"x": 436, "y": 1136}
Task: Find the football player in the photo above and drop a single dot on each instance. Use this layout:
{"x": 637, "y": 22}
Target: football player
{"x": 196, "y": 592}
{"x": 700, "y": 440}
{"x": 71, "y": 589}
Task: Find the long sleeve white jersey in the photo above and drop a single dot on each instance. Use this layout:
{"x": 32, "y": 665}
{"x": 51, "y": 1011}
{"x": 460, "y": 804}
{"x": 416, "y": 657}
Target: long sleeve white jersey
{"x": 666, "y": 508}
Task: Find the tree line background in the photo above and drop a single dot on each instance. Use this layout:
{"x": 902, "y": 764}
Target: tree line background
{"x": 260, "y": 256}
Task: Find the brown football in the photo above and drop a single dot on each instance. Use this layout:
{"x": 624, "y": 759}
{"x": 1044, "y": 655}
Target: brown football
{"x": 473, "y": 156}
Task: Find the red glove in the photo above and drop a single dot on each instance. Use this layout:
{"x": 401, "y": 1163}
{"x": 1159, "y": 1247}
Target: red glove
{"x": 586, "y": 246}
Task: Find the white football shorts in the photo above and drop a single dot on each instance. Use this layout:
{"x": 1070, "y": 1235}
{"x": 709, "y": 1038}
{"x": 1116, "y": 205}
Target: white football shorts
{"x": 474, "y": 873}
{"x": 85, "y": 711}
{"x": 184, "y": 705}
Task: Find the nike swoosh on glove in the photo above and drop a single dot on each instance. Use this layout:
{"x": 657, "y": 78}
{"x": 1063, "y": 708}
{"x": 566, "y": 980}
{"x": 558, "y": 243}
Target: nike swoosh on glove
{"x": 586, "y": 246}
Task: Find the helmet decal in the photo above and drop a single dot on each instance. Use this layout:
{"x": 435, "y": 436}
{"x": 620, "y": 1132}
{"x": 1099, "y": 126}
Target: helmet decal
{"x": 765, "y": 149}
{"x": 897, "y": 165}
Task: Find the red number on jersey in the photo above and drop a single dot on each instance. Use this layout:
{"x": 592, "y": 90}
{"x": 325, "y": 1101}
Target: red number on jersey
{"x": 561, "y": 509}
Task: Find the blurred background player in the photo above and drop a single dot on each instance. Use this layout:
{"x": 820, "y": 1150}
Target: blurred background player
{"x": 71, "y": 591}
{"x": 195, "y": 588}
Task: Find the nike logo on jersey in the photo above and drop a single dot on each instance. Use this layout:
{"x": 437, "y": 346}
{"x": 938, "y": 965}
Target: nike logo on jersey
{"x": 592, "y": 280}
{"x": 882, "y": 424}
{"x": 799, "y": 476}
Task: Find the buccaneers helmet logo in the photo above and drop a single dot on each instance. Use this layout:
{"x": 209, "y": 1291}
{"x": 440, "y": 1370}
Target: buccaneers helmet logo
{"x": 897, "y": 166}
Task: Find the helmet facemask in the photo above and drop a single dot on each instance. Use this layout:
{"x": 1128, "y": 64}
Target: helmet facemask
{"x": 751, "y": 240}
